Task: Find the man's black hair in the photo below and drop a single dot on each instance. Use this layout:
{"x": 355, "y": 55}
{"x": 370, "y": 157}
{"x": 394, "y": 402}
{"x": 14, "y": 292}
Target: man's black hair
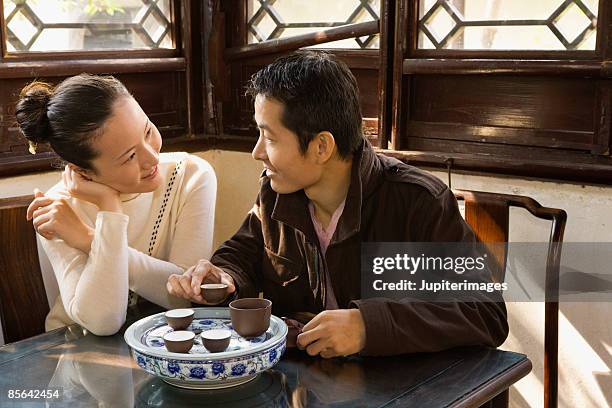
{"x": 319, "y": 93}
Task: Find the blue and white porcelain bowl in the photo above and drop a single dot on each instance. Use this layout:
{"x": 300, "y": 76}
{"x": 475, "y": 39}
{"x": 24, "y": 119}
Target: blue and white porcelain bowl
{"x": 242, "y": 361}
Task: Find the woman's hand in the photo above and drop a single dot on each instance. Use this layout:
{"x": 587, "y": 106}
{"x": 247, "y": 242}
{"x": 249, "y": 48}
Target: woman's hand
{"x": 83, "y": 188}
{"x": 54, "y": 218}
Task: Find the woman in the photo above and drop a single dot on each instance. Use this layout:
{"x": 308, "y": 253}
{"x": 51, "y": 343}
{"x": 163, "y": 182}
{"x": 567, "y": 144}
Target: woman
{"x": 124, "y": 217}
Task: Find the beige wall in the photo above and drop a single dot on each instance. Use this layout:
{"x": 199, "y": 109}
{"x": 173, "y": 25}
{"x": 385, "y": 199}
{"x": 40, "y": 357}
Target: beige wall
{"x": 585, "y": 344}
{"x": 238, "y": 184}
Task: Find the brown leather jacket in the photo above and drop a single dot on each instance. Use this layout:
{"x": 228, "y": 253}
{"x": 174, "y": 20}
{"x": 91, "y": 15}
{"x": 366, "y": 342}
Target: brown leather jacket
{"x": 276, "y": 251}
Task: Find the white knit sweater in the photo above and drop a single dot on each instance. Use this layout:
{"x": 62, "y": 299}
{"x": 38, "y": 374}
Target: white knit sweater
{"x": 158, "y": 234}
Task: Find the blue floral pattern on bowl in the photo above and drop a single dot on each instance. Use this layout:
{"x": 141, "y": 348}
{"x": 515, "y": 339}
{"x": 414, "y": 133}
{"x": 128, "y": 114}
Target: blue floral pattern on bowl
{"x": 173, "y": 367}
{"x": 197, "y": 372}
{"x": 186, "y": 370}
{"x": 218, "y": 368}
{"x": 272, "y": 355}
{"x": 238, "y": 369}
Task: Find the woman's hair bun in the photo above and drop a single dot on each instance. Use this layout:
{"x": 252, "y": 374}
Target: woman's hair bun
{"x": 31, "y": 112}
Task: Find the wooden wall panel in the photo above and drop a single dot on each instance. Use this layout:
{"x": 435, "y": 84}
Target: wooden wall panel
{"x": 505, "y": 101}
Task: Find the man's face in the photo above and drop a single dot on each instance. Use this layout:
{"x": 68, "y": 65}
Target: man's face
{"x": 278, "y": 148}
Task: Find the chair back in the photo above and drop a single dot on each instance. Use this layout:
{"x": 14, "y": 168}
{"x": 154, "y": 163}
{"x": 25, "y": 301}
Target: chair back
{"x": 489, "y": 214}
{"x": 48, "y": 275}
{"x": 23, "y": 300}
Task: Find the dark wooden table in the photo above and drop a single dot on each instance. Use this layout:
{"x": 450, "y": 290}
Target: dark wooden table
{"x": 98, "y": 371}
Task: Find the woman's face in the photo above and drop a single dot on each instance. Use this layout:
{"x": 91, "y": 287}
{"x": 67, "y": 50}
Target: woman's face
{"x": 128, "y": 150}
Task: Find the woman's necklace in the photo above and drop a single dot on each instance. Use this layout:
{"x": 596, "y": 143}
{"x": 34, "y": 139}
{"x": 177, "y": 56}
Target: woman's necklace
{"x": 131, "y": 198}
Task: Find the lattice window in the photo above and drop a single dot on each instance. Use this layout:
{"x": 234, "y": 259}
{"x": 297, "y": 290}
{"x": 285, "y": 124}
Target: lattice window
{"x": 66, "y": 25}
{"x": 508, "y": 24}
{"x": 273, "y": 19}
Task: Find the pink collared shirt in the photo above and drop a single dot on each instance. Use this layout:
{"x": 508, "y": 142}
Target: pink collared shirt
{"x": 325, "y": 235}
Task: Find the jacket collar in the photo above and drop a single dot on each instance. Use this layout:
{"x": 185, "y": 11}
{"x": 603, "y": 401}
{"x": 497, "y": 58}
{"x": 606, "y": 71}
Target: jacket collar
{"x": 366, "y": 172}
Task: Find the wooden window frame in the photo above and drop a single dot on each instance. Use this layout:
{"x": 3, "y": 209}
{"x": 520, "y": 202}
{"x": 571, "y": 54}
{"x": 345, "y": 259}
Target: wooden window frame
{"x": 399, "y": 60}
{"x": 217, "y": 116}
{"x": 235, "y": 129}
{"x": 175, "y": 21}
{"x": 594, "y": 167}
{"x": 177, "y": 62}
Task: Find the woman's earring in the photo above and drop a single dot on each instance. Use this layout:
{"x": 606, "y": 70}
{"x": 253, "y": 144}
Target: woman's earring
{"x": 33, "y": 147}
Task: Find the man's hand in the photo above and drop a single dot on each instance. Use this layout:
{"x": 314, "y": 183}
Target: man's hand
{"x": 334, "y": 333}
{"x": 187, "y": 285}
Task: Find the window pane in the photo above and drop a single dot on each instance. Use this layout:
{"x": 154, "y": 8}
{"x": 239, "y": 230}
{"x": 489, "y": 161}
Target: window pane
{"x": 67, "y": 25}
{"x": 508, "y": 24}
{"x": 269, "y": 19}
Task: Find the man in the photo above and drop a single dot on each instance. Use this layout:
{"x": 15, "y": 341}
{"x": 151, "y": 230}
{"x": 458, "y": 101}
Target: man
{"x": 324, "y": 192}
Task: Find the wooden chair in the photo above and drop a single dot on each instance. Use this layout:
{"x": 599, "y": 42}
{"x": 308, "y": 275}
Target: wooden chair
{"x": 488, "y": 214}
{"x": 23, "y": 300}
